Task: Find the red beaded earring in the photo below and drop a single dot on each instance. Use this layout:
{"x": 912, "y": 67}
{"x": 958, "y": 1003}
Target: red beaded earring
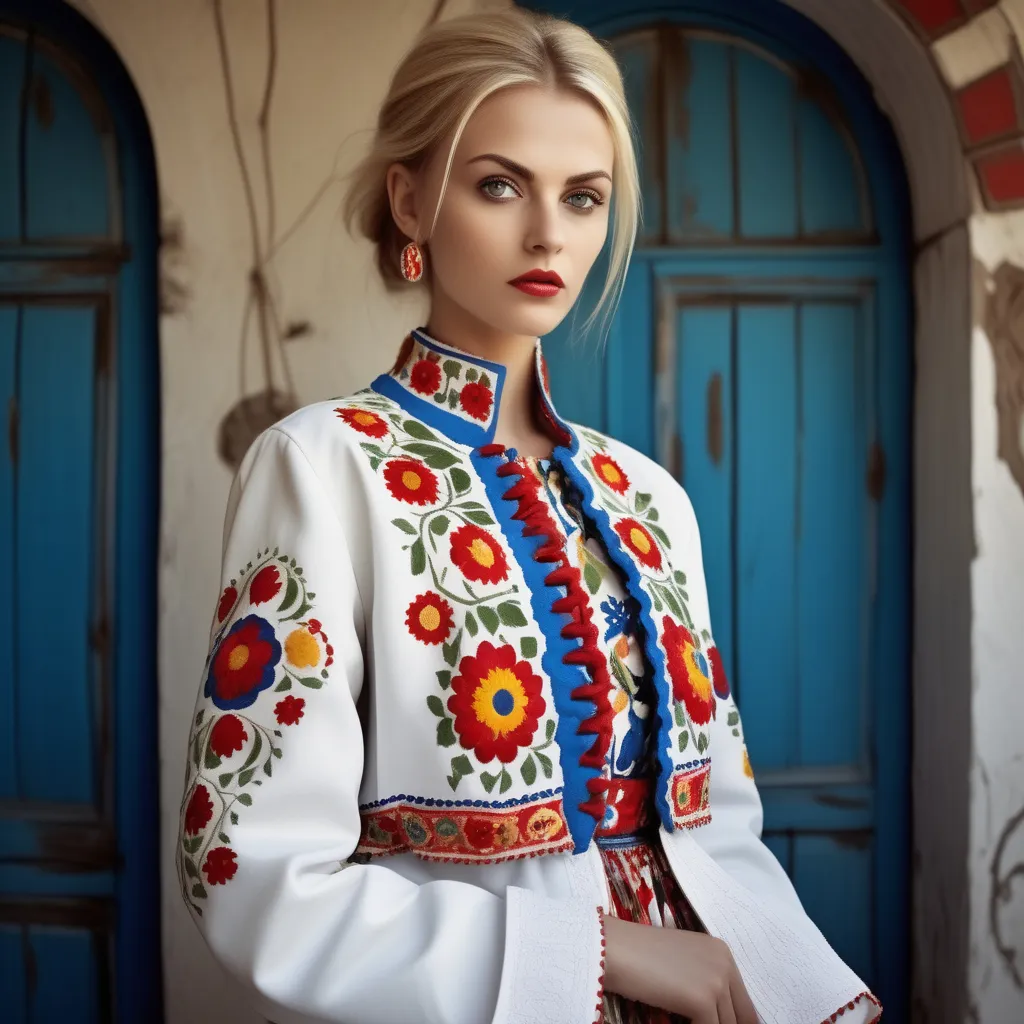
{"x": 412, "y": 262}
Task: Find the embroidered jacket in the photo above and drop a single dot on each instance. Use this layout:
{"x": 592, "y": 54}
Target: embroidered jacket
{"x": 402, "y": 742}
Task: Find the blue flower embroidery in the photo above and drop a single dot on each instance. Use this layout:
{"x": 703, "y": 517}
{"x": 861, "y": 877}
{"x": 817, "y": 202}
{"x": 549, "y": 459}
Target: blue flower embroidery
{"x": 615, "y": 615}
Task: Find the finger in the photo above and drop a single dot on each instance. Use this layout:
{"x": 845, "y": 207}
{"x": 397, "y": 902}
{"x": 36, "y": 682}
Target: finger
{"x": 741, "y": 1001}
{"x": 726, "y": 1013}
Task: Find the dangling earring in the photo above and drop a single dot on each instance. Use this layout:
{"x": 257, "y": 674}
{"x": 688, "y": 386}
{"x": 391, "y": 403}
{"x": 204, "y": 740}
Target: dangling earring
{"x": 412, "y": 262}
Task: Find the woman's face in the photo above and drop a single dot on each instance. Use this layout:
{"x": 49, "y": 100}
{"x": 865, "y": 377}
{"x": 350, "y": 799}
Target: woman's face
{"x": 529, "y": 191}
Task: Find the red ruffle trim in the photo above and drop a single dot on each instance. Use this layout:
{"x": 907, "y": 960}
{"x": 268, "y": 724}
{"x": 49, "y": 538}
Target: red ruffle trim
{"x": 850, "y": 1005}
{"x": 599, "y": 1016}
{"x": 537, "y": 521}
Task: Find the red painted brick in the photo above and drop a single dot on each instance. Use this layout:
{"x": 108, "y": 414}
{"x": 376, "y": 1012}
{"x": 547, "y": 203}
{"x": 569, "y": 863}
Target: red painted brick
{"x": 1001, "y": 174}
{"x": 933, "y": 17}
{"x": 988, "y": 108}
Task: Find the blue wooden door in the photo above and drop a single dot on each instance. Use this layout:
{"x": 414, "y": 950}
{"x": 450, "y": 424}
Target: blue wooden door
{"x": 762, "y": 353}
{"x": 79, "y": 928}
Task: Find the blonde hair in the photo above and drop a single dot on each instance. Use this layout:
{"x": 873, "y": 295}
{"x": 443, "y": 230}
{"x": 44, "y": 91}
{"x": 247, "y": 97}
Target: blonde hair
{"x": 452, "y": 68}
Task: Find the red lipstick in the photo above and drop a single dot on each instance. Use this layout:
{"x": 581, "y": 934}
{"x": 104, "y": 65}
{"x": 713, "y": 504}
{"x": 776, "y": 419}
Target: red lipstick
{"x": 541, "y": 283}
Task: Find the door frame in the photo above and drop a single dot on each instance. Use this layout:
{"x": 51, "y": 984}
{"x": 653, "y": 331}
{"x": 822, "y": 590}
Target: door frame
{"x": 138, "y": 989}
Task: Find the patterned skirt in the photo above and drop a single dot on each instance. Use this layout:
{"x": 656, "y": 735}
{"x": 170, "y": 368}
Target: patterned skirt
{"x": 641, "y": 885}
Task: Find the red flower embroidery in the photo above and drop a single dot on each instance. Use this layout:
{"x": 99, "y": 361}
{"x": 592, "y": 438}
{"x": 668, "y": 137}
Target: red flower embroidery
{"x": 718, "y": 676}
{"x": 638, "y": 539}
{"x": 220, "y": 866}
{"x": 688, "y": 670}
{"x": 410, "y": 481}
{"x": 478, "y": 555}
{"x": 199, "y": 810}
{"x": 266, "y": 585}
{"x": 289, "y": 710}
{"x": 430, "y": 618}
{"x": 611, "y": 473}
{"x": 497, "y": 703}
{"x": 425, "y": 377}
{"x": 480, "y": 833}
{"x": 476, "y": 398}
{"x": 227, "y": 602}
{"x": 364, "y": 421}
{"x": 244, "y": 664}
{"x": 227, "y": 735}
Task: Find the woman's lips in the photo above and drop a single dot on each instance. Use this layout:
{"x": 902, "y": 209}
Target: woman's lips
{"x": 541, "y": 289}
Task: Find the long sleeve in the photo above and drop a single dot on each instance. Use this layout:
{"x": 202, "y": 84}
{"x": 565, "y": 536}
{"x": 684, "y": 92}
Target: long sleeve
{"x": 270, "y": 812}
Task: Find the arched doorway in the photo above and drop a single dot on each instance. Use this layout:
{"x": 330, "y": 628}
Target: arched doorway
{"x": 79, "y": 472}
{"x": 766, "y": 328}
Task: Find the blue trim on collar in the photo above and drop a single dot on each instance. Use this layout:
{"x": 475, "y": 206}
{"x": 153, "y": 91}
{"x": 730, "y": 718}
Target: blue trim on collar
{"x": 566, "y": 457}
{"x": 564, "y": 677}
{"x": 454, "y": 427}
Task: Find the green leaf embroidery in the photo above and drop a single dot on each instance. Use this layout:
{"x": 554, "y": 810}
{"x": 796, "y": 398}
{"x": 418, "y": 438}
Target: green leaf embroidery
{"x": 549, "y": 729}
{"x": 660, "y": 534}
{"x": 471, "y": 624}
{"x": 733, "y": 719}
{"x": 436, "y": 705}
{"x": 680, "y": 716}
{"x": 462, "y": 765}
{"x": 285, "y": 684}
{"x": 445, "y": 733}
{"x": 416, "y": 429}
{"x": 225, "y": 778}
{"x": 451, "y": 651}
{"x": 211, "y": 760}
{"x": 471, "y": 374}
{"x": 312, "y": 682}
{"x": 545, "y": 763}
{"x": 199, "y": 716}
{"x": 702, "y": 742}
{"x": 489, "y": 617}
{"x": 223, "y": 838}
{"x": 418, "y": 556}
{"x": 684, "y": 738}
{"x": 436, "y": 458}
{"x": 529, "y": 770}
{"x": 444, "y": 677}
{"x": 641, "y": 501}
{"x": 506, "y": 782}
{"x": 438, "y": 524}
{"x": 591, "y": 577}
{"x": 234, "y": 818}
{"x": 199, "y": 892}
{"x": 405, "y": 526}
{"x": 453, "y": 398}
{"x": 488, "y": 780}
{"x": 680, "y": 577}
{"x": 673, "y": 604}
{"x": 510, "y": 614}
{"x": 485, "y": 380}
{"x": 190, "y": 846}
{"x": 528, "y": 645}
{"x": 460, "y": 480}
{"x": 245, "y": 800}
{"x": 245, "y": 778}
{"x": 480, "y": 518}
{"x": 451, "y": 368}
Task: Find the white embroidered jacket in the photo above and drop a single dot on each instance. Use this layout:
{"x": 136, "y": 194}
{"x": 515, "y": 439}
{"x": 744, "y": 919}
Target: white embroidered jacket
{"x": 399, "y": 752}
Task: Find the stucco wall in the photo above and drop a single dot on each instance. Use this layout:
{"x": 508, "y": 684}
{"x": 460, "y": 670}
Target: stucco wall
{"x": 332, "y": 62}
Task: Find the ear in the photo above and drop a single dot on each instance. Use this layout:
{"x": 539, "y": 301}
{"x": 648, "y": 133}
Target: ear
{"x": 402, "y": 187}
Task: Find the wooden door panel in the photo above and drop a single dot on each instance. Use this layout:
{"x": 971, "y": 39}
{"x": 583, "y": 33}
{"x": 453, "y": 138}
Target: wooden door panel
{"x": 9, "y": 322}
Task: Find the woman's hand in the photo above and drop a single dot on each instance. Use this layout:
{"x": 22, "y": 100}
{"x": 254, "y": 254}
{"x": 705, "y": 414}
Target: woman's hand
{"x": 687, "y": 973}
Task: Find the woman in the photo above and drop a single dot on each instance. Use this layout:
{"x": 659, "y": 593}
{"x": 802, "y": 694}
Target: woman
{"x": 463, "y": 736}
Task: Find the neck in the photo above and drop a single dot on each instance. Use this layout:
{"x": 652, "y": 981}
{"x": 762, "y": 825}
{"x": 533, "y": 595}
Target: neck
{"x": 518, "y": 425}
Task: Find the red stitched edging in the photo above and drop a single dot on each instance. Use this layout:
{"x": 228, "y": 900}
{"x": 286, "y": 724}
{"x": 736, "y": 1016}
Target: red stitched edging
{"x": 563, "y": 847}
{"x": 600, "y": 978}
{"x": 537, "y": 521}
{"x": 850, "y": 1005}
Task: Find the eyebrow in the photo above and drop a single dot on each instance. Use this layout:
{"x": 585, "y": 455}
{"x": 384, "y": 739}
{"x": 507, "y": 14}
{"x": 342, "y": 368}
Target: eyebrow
{"x": 528, "y": 175}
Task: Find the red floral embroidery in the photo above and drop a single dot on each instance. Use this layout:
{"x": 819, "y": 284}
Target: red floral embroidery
{"x": 425, "y": 376}
{"x": 478, "y": 555}
{"x": 476, "y": 398}
{"x": 430, "y": 618}
{"x": 289, "y": 710}
{"x": 199, "y": 810}
{"x": 266, "y": 586}
{"x": 718, "y": 676}
{"x": 638, "y": 539}
{"x": 497, "y": 703}
{"x": 688, "y": 670}
{"x": 227, "y": 735}
{"x": 611, "y": 473}
{"x": 227, "y": 602}
{"x": 691, "y": 795}
{"x": 244, "y": 664}
{"x": 410, "y": 481}
{"x": 364, "y": 421}
{"x": 220, "y": 865}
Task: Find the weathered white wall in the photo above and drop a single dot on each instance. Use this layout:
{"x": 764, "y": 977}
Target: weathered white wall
{"x": 334, "y": 58}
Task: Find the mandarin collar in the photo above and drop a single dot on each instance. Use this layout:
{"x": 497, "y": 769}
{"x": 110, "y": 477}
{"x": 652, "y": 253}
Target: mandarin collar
{"x": 457, "y": 392}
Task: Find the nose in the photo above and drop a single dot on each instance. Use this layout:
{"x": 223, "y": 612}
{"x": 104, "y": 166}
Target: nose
{"x": 545, "y": 232}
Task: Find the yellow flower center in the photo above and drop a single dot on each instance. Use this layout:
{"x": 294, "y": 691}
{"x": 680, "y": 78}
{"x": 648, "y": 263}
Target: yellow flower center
{"x": 639, "y": 539}
{"x": 365, "y": 419}
{"x": 412, "y": 480}
{"x": 430, "y": 618}
{"x": 611, "y": 474}
{"x": 543, "y": 823}
{"x": 302, "y": 649}
{"x": 238, "y": 658}
{"x": 482, "y": 552}
{"x": 699, "y": 682}
{"x": 500, "y": 701}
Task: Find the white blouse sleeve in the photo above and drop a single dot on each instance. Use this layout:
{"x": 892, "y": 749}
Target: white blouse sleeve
{"x": 270, "y": 812}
